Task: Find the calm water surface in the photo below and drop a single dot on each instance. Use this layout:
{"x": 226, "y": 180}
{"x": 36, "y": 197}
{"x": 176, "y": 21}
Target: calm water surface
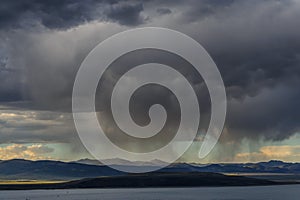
{"x": 286, "y": 192}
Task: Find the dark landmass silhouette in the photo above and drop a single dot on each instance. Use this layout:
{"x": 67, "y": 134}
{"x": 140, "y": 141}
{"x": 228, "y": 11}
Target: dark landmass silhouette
{"x": 18, "y": 169}
{"x": 163, "y": 179}
{"x": 92, "y": 174}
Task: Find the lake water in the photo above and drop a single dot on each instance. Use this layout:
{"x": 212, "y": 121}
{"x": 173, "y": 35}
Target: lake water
{"x": 287, "y": 192}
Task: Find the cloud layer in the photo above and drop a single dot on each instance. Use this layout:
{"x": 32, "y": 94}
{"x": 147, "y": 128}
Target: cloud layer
{"x": 288, "y": 153}
{"x": 66, "y": 14}
{"x": 31, "y": 152}
{"x": 255, "y": 44}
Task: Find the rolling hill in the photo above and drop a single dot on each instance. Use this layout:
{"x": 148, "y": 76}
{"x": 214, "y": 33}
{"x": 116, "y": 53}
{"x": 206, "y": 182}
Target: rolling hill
{"x": 56, "y": 170}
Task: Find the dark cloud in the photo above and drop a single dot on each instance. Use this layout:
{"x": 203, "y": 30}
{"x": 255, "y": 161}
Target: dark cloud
{"x": 65, "y": 14}
{"x": 146, "y": 96}
{"x": 271, "y": 115}
{"x": 163, "y": 11}
{"x": 126, "y": 14}
{"x": 207, "y": 8}
{"x": 255, "y": 44}
{"x": 256, "y": 47}
{"x": 29, "y": 126}
{"x": 11, "y": 84}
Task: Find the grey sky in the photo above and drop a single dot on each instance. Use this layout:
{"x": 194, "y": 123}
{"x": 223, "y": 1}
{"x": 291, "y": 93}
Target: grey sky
{"x": 255, "y": 44}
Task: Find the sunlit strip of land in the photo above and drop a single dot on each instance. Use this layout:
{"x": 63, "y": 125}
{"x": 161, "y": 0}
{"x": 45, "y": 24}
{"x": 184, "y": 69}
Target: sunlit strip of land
{"x": 23, "y": 182}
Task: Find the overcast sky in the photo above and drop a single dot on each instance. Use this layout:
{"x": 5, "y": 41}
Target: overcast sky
{"x": 255, "y": 44}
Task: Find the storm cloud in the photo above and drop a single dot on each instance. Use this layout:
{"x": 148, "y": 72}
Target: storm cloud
{"x": 255, "y": 45}
{"x": 58, "y": 14}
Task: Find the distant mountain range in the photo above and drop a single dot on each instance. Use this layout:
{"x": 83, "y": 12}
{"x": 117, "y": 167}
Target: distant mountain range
{"x": 57, "y": 170}
{"x": 50, "y": 170}
{"x": 273, "y": 166}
